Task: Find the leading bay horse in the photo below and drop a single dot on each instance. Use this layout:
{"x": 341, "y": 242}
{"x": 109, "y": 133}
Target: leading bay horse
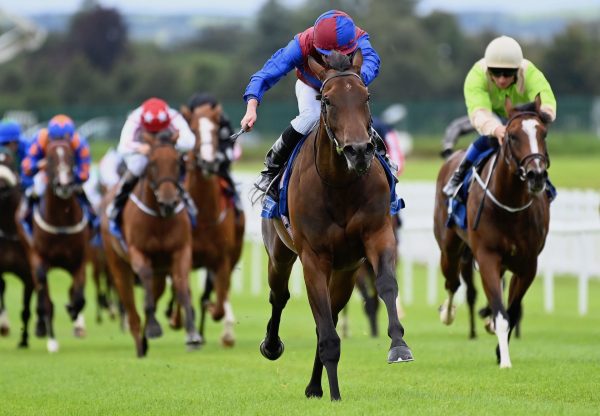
{"x": 60, "y": 235}
{"x": 219, "y": 232}
{"x": 339, "y": 209}
{"x": 513, "y": 225}
{"x": 156, "y": 231}
{"x": 13, "y": 257}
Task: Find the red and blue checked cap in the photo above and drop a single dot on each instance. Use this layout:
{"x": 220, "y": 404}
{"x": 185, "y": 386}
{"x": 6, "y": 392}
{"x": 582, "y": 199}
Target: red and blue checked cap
{"x": 155, "y": 115}
{"x": 335, "y": 31}
{"x": 61, "y": 125}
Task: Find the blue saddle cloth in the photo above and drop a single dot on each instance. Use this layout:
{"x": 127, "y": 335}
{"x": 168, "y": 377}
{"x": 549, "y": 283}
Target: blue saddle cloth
{"x": 457, "y": 214}
{"x": 273, "y": 209}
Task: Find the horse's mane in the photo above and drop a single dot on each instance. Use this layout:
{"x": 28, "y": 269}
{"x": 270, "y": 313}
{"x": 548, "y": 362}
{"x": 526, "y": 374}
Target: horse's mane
{"x": 532, "y": 108}
{"x": 338, "y": 61}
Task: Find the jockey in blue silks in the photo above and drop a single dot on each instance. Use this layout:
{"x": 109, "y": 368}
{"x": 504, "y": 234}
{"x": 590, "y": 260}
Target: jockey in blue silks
{"x": 12, "y": 139}
{"x": 333, "y": 31}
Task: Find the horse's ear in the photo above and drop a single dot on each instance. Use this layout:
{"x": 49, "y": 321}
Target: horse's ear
{"x": 148, "y": 138}
{"x": 508, "y": 106}
{"x": 357, "y": 61}
{"x": 538, "y": 103}
{"x": 186, "y": 112}
{"x": 316, "y": 67}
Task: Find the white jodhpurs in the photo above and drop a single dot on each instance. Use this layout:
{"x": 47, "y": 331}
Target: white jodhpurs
{"x": 136, "y": 163}
{"x": 309, "y": 108}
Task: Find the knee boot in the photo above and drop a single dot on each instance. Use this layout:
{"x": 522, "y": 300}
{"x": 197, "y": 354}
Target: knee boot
{"x": 126, "y": 185}
{"x": 276, "y": 158}
{"x": 457, "y": 177}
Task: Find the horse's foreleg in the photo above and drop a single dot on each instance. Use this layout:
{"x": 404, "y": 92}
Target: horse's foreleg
{"x": 317, "y": 272}
{"x": 100, "y": 299}
{"x": 26, "y": 312}
{"x": 77, "y": 301}
{"x": 489, "y": 267}
{"x": 519, "y": 284}
{"x": 205, "y": 300}
{"x": 221, "y": 283}
{"x": 4, "y": 323}
{"x": 180, "y": 268}
{"x": 142, "y": 266}
{"x": 466, "y": 270}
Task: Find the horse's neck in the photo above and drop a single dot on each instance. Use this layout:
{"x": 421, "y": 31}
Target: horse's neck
{"x": 332, "y": 166}
{"x": 205, "y": 191}
{"x": 145, "y": 194}
{"x": 58, "y": 211}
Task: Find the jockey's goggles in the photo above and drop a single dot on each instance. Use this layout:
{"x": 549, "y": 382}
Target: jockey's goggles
{"x": 505, "y": 72}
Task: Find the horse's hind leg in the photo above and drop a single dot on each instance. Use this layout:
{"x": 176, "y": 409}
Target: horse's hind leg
{"x": 518, "y": 287}
{"x": 180, "y": 267}
{"x": 450, "y": 265}
{"x": 466, "y": 270}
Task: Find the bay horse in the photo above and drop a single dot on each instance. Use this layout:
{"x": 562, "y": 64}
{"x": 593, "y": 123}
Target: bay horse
{"x": 219, "y": 232}
{"x": 156, "y": 231}
{"x": 339, "y": 210}
{"x": 13, "y": 257}
{"x": 60, "y": 235}
{"x": 514, "y": 218}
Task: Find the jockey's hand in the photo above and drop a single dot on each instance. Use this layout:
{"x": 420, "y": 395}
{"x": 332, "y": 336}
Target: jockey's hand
{"x": 41, "y": 165}
{"x": 499, "y": 132}
{"x": 250, "y": 117}
{"x": 144, "y": 149}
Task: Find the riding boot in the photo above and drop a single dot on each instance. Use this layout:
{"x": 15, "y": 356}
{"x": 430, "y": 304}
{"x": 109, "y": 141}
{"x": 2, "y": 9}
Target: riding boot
{"x": 189, "y": 203}
{"x": 26, "y": 212}
{"x": 232, "y": 190}
{"x": 276, "y": 158}
{"x": 126, "y": 185}
{"x": 381, "y": 150}
{"x": 457, "y": 178}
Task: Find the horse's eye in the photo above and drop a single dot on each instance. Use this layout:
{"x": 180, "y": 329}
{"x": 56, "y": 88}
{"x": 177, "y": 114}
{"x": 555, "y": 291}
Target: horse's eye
{"x": 368, "y": 97}
{"x": 326, "y": 101}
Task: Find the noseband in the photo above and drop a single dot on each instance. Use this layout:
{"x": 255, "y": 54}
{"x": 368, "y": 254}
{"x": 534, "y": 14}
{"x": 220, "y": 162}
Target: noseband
{"x": 155, "y": 184}
{"x": 527, "y": 159}
{"x": 324, "y": 104}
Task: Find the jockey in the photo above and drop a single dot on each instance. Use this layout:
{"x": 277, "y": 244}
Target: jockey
{"x": 228, "y": 150}
{"x": 153, "y": 116}
{"x": 501, "y": 73}
{"x": 60, "y": 127}
{"x": 11, "y": 138}
{"x": 333, "y": 31}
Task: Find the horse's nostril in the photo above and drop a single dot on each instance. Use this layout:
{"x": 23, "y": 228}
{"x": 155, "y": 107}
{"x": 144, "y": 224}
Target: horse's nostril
{"x": 545, "y": 174}
{"x": 530, "y": 174}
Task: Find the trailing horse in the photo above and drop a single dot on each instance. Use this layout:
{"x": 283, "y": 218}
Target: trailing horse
{"x": 507, "y": 217}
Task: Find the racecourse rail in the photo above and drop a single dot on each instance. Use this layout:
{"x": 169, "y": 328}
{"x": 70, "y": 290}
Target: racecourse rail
{"x": 572, "y": 247}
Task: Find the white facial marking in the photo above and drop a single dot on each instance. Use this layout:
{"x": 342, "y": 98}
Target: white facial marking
{"x": 63, "y": 169}
{"x": 348, "y": 86}
{"x": 529, "y": 127}
{"x": 207, "y": 150}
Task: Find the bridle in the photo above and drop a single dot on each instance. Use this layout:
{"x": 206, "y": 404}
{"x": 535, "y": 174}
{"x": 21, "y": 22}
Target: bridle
{"x": 522, "y": 164}
{"x": 62, "y": 168}
{"x": 324, "y": 104}
{"x": 155, "y": 184}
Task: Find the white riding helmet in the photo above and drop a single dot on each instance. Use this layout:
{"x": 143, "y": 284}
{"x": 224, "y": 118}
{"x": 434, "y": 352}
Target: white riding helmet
{"x": 503, "y": 52}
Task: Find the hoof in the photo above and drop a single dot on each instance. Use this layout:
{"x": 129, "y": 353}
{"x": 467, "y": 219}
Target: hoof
{"x": 4, "y": 331}
{"x": 142, "y": 349}
{"x": 313, "y": 392}
{"x": 79, "y": 332}
{"x": 400, "y": 354}
{"x": 227, "y": 341}
{"x": 447, "y": 315}
{"x": 194, "y": 342}
{"x": 52, "y": 345}
{"x": 23, "y": 345}
{"x": 153, "y": 330}
{"x": 272, "y": 355}
{"x": 40, "y": 329}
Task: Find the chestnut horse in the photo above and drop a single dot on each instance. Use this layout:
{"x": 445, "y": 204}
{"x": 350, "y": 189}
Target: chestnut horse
{"x": 13, "y": 257}
{"x": 60, "y": 237}
{"x": 156, "y": 231}
{"x": 511, "y": 233}
{"x": 218, "y": 235}
{"x": 339, "y": 210}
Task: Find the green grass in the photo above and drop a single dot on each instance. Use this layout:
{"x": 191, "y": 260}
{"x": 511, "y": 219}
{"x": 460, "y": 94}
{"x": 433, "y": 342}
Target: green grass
{"x": 555, "y": 364}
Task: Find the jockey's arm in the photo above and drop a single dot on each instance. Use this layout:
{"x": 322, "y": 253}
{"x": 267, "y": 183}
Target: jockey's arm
{"x": 82, "y": 158}
{"x": 536, "y": 83}
{"x": 127, "y": 143}
{"x": 479, "y": 104}
{"x": 33, "y": 162}
{"x": 371, "y": 62}
{"x": 187, "y": 138}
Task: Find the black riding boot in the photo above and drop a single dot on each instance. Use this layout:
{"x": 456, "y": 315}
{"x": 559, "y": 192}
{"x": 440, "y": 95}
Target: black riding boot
{"x": 276, "y": 158}
{"x": 457, "y": 177}
{"x": 89, "y": 211}
{"x": 126, "y": 185}
{"x": 381, "y": 150}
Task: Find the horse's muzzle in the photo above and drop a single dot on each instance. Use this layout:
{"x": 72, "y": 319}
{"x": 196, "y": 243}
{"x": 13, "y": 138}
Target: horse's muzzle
{"x": 359, "y": 156}
{"x": 167, "y": 207}
{"x": 536, "y": 180}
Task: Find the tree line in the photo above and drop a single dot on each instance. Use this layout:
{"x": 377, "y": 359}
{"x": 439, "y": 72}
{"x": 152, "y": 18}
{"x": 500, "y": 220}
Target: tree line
{"x": 95, "y": 64}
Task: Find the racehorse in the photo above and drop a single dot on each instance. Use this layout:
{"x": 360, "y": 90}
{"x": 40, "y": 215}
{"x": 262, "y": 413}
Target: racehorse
{"x": 339, "y": 210}
{"x": 60, "y": 235}
{"x": 13, "y": 257}
{"x": 156, "y": 233}
{"x": 513, "y": 224}
{"x": 218, "y": 234}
